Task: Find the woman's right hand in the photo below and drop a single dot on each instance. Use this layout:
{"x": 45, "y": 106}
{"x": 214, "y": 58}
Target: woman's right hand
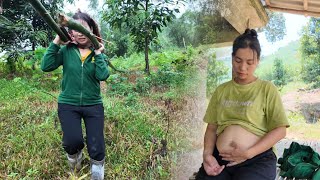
{"x": 57, "y": 40}
{"x": 211, "y": 166}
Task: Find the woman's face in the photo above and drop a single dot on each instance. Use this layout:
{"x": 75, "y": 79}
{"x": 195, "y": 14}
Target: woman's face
{"x": 244, "y": 63}
{"x": 79, "y": 37}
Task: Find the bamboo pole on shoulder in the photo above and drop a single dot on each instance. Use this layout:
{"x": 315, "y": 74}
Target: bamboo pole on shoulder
{"x": 66, "y": 21}
{"x": 72, "y": 24}
{"x": 36, "y": 4}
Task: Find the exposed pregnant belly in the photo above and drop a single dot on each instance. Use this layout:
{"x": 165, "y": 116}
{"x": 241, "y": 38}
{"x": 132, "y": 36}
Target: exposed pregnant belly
{"x": 236, "y": 135}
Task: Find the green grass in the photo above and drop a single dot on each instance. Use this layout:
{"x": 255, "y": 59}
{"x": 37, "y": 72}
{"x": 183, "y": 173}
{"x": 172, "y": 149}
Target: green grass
{"x": 302, "y": 130}
{"x": 293, "y": 86}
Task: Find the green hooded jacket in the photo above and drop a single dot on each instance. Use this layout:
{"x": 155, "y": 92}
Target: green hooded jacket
{"x": 300, "y": 161}
{"x": 80, "y": 84}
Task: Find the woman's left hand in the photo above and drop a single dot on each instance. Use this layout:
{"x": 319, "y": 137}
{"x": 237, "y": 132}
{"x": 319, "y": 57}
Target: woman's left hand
{"x": 98, "y": 51}
{"x": 235, "y": 156}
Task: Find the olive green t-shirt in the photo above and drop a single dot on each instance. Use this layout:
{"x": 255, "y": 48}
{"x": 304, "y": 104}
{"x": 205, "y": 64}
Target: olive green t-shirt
{"x": 257, "y": 107}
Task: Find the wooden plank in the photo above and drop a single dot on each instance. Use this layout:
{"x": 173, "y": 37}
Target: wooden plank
{"x": 292, "y": 11}
{"x": 287, "y": 1}
{"x": 288, "y": 5}
{"x": 305, "y": 5}
{"x": 314, "y": 6}
{"x": 314, "y": 2}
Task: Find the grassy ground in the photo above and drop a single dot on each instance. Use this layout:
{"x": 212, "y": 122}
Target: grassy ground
{"x": 293, "y": 86}
{"x": 300, "y": 130}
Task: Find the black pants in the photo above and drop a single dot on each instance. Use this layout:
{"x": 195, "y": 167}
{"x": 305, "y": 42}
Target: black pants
{"x": 260, "y": 167}
{"x": 70, "y": 118}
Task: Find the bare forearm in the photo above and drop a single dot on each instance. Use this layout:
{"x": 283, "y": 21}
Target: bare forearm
{"x": 210, "y": 139}
{"x": 267, "y": 141}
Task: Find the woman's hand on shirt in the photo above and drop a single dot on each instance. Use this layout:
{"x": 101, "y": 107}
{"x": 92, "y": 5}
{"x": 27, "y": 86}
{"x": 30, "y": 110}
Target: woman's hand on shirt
{"x": 211, "y": 166}
{"x": 98, "y": 51}
{"x": 235, "y": 156}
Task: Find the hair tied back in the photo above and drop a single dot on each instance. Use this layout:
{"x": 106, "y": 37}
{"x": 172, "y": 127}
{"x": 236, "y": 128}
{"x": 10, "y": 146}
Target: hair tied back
{"x": 251, "y": 32}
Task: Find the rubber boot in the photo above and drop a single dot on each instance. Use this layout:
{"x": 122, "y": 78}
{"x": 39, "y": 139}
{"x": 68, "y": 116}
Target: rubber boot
{"x": 74, "y": 161}
{"x": 97, "y": 170}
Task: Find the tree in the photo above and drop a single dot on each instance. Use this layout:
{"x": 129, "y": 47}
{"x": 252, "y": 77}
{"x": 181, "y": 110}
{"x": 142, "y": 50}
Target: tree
{"x": 204, "y": 23}
{"x": 22, "y": 28}
{"x": 181, "y": 30}
{"x": 279, "y": 73}
{"x": 26, "y": 27}
{"x": 217, "y": 72}
{"x": 310, "y": 48}
{"x": 121, "y": 43}
{"x": 144, "y": 19}
{"x": 276, "y": 27}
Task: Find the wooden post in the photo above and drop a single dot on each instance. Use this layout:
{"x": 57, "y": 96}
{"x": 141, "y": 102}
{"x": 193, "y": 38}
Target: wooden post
{"x": 268, "y": 2}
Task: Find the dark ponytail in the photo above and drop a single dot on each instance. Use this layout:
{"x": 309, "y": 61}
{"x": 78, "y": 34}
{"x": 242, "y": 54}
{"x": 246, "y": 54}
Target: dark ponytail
{"x": 248, "y": 39}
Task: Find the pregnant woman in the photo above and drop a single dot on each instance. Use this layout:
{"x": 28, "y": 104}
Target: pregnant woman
{"x": 245, "y": 120}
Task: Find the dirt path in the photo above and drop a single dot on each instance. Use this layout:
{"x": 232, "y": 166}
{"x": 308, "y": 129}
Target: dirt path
{"x": 293, "y": 101}
{"x": 190, "y": 161}
{"x": 306, "y": 102}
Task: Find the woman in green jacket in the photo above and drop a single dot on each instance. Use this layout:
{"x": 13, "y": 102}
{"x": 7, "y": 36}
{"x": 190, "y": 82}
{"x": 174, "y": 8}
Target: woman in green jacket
{"x": 80, "y": 98}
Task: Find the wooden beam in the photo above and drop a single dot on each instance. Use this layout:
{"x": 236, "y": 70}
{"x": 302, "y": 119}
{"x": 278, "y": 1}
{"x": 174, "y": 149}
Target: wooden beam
{"x": 302, "y": 12}
{"x": 314, "y": 6}
{"x": 268, "y": 2}
{"x": 288, "y": 5}
{"x": 305, "y": 5}
{"x": 314, "y": 2}
{"x": 254, "y": 11}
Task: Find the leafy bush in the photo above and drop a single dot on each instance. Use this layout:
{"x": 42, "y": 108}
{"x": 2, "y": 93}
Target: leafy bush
{"x": 310, "y": 52}
{"x": 280, "y": 75}
{"x": 217, "y": 72}
{"x": 119, "y": 85}
{"x": 143, "y": 85}
{"x": 311, "y": 70}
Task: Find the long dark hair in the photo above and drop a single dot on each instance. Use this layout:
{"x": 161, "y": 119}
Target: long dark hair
{"x": 92, "y": 24}
{"x": 248, "y": 39}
